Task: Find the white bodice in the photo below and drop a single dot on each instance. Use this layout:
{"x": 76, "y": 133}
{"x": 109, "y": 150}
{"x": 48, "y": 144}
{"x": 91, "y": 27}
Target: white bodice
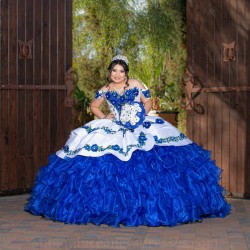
{"x": 117, "y": 101}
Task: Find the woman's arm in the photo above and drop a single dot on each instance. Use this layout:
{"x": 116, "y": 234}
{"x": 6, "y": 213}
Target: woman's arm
{"x": 95, "y": 109}
{"x": 147, "y": 104}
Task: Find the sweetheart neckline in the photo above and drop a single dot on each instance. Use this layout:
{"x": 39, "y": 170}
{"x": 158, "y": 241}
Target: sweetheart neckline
{"x": 110, "y": 91}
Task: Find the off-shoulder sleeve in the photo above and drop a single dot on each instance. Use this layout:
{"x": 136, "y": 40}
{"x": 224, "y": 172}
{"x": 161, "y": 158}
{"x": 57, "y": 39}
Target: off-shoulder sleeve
{"x": 146, "y": 93}
{"x": 99, "y": 94}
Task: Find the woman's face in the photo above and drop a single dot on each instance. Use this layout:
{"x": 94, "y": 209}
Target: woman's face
{"x": 118, "y": 74}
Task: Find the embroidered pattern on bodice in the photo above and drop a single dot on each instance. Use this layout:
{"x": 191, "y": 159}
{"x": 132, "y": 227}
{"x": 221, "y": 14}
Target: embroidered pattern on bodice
{"x": 117, "y": 101}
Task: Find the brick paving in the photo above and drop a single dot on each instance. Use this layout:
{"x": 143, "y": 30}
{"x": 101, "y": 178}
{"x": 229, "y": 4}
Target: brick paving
{"x": 21, "y": 230}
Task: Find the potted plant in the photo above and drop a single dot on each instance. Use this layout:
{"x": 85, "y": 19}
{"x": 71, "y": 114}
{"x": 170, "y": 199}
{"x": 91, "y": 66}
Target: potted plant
{"x": 166, "y": 99}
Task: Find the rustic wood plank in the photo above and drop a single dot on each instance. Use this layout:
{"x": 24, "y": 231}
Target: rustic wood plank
{"x": 233, "y": 141}
{"x": 241, "y": 145}
{"x": 21, "y": 100}
{"x": 1, "y": 134}
{"x": 25, "y": 110}
{"x": 247, "y": 165}
{"x": 218, "y": 49}
{"x": 190, "y": 58}
{"x": 68, "y": 62}
{"x": 225, "y": 12}
{"x": 218, "y": 130}
{"x": 13, "y": 52}
{"x": 218, "y": 60}
{"x": 29, "y": 133}
{"x": 46, "y": 64}
{"x": 227, "y": 117}
{"x": 198, "y": 41}
{"x": 226, "y": 102}
{"x": 62, "y": 132}
{"x": 37, "y": 67}
{"x": 247, "y": 135}
{"x": 211, "y": 114}
{"x": 202, "y": 125}
{"x": 202, "y": 62}
{"x": 220, "y": 89}
{"x": 225, "y": 141}
{"x": 37, "y": 132}
{"x": 23, "y": 86}
{"x": 68, "y": 38}
{"x": 211, "y": 120}
{"x": 233, "y": 118}
{"x": 243, "y": 18}
{"x": 53, "y": 76}
{"x": 242, "y": 108}
{"x": 5, "y": 161}
{"x": 190, "y": 34}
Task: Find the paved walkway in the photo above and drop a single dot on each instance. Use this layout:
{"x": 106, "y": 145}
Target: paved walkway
{"x": 21, "y": 230}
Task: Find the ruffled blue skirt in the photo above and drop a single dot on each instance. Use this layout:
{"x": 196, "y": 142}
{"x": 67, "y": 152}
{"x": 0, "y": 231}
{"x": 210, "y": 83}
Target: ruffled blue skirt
{"x": 164, "y": 186}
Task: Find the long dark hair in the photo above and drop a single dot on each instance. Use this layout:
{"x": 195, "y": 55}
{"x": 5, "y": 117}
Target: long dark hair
{"x": 125, "y": 67}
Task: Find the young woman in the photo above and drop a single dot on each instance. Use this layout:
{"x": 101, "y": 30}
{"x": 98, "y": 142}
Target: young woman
{"x": 127, "y": 167}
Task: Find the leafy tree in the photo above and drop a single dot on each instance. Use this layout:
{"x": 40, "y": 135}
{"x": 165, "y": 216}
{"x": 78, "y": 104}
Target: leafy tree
{"x": 149, "y": 32}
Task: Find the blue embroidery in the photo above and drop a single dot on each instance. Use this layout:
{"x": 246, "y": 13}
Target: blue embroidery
{"x": 146, "y": 124}
{"x": 146, "y": 93}
{"x": 99, "y": 94}
{"x": 115, "y": 147}
{"x": 142, "y": 138}
{"x": 119, "y": 100}
{"x": 159, "y": 121}
{"x": 65, "y": 149}
{"x": 132, "y": 116}
{"x": 95, "y": 148}
{"x": 170, "y": 139}
{"x": 89, "y": 129}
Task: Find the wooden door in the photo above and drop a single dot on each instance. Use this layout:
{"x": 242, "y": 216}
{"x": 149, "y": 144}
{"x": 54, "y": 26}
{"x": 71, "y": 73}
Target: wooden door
{"x": 218, "y": 62}
{"x": 36, "y": 51}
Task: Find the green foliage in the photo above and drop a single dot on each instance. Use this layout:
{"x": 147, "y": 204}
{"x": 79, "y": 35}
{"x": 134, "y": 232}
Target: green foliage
{"x": 81, "y": 112}
{"x": 81, "y": 100}
{"x": 165, "y": 39}
{"x": 149, "y": 32}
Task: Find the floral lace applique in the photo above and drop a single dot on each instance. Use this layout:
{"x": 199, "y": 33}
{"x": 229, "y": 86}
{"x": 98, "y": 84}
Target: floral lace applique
{"x": 146, "y": 93}
{"x": 119, "y": 100}
{"x": 132, "y": 115}
{"x": 170, "y": 139}
{"x": 95, "y": 148}
{"x": 99, "y": 94}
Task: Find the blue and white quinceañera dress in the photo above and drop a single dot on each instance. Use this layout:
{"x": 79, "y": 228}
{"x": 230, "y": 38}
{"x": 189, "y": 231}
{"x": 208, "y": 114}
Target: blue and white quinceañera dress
{"x": 132, "y": 170}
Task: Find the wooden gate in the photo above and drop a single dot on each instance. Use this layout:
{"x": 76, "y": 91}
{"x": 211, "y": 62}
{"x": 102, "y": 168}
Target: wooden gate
{"x": 36, "y": 51}
{"x": 218, "y": 62}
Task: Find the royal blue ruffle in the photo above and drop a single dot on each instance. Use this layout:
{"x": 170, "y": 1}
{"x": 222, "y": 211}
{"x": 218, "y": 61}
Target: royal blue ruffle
{"x": 163, "y": 186}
